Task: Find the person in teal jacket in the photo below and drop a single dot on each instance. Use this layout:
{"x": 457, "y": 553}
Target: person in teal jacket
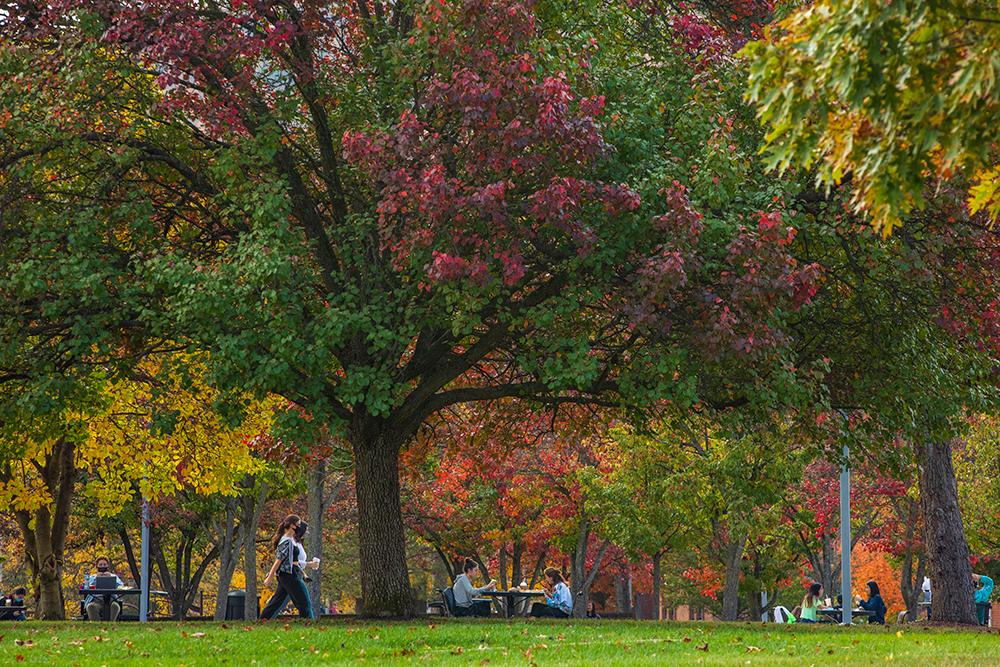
{"x": 984, "y": 589}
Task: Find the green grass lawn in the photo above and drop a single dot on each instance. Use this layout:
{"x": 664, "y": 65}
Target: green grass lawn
{"x": 518, "y": 642}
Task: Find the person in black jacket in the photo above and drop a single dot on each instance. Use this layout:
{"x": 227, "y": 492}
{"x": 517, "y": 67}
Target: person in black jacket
{"x": 874, "y": 604}
{"x": 288, "y": 562}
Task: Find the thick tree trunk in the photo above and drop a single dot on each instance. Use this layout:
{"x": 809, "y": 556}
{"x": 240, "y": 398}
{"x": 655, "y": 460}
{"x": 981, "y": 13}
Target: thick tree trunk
{"x": 731, "y": 591}
{"x": 385, "y": 582}
{"x": 947, "y": 550}
{"x": 658, "y": 585}
{"x": 315, "y": 507}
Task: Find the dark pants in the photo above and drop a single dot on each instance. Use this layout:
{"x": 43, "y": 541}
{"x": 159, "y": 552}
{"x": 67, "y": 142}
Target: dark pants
{"x": 289, "y": 586}
{"x": 479, "y": 608}
{"x": 542, "y": 610}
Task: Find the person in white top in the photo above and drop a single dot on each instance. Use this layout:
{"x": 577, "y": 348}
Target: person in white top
{"x": 465, "y": 592}
{"x": 558, "y": 599}
{"x": 289, "y": 563}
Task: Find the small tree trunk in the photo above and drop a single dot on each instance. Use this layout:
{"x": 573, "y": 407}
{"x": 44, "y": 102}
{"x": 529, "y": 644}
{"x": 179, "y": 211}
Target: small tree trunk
{"x": 228, "y": 557}
{"x": 44, "y": 529}
{"x": 516, "y": 569}
{"x": 658, "y": 585}
{"x": 314, "y": 538}
{"x": 251, "y": 506}
{"x": 502, "y": 566}
{"x": 731, "y": 591}
{"x": 947, "y": 550}
{"x": 385, "y": 583}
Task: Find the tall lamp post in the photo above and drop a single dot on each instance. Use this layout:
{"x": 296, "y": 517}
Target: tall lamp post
{"x": 144, "y": 564}
{"x": 846, "y": 603}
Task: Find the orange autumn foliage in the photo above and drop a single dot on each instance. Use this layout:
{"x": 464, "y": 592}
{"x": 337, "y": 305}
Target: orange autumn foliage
{"x": 867, "y": 565}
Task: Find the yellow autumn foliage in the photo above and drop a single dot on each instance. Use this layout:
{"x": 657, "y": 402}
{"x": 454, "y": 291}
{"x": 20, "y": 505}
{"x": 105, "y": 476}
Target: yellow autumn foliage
{"x": 152, "y": 436}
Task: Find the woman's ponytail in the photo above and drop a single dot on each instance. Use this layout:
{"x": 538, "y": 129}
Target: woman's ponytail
{"x": 288, "y": 522}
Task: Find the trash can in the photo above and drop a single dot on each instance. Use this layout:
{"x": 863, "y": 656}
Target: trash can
{"x": 235, "y": 605}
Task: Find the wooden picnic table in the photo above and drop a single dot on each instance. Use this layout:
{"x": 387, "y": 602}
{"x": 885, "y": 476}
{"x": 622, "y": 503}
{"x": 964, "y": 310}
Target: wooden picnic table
{"x": 511, "y": 598}
{"x": 836, "y": 614}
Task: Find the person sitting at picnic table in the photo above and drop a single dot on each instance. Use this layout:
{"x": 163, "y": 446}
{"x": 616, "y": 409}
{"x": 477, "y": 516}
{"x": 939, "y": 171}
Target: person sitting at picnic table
{"x": 984, "y": 589}
{"x": 558, "y": 600}
{"x": 94, "y": 604}
{"x": 808, "y": 610}
{"x": 16, "y": 599}
{"x": 465, "y": 592}
{"x": 873, "y": 604}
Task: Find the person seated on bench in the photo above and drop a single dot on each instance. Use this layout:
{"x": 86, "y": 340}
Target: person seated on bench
{"x": 16, "y": 599}
{"x": 558, "y": 600}
{"x": 873, "y": 604}
{"x": 94, "y": 604}
{"x": 464, "y": 591}
{"x": 808, "y": 611}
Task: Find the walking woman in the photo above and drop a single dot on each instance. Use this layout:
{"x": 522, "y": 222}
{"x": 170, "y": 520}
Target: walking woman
{"x": 289, "y": 560}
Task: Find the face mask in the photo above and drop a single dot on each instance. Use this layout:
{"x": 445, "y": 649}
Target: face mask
{"x": 102, "y": 568}
{"x": 300, "y": 530}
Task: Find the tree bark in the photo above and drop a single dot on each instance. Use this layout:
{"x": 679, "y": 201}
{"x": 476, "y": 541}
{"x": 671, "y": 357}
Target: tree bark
{"x": 502, "y": 567}
{"x": 251, "y": 506}
{"x": 912, "y": 569}
{"x": 516, "y": 570}
{"x": 658, "y": 585}
{"x": 731, "y": 591}
{"x": 315, "y": 508}
{"x": 385, "y": 583}
{"x": 947, "y": 549}
{"x": 44, "y": 529}
{"x": 133, "y": 564}
{"x": 580, "y": 579}
{"x": 229, "y": 555}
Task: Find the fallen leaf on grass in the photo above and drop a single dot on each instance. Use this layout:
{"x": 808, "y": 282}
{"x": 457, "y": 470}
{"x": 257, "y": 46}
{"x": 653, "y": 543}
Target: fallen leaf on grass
{"x": 686, "y": 639}
{"x": 458, "y": 650}
{"x": 703, "y": 647}
{"x": 198, "y": 635}
{"x": 899, "y": 633}
{"x": 20, "y": 658}
{"x": 754, "y": 649}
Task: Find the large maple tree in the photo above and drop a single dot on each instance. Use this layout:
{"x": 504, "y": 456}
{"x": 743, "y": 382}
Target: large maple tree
{"x": 379, "y": 211}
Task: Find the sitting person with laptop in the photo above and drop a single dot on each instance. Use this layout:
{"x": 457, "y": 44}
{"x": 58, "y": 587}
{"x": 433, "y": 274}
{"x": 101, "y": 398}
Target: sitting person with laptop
{"x": 102, "y": 580}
